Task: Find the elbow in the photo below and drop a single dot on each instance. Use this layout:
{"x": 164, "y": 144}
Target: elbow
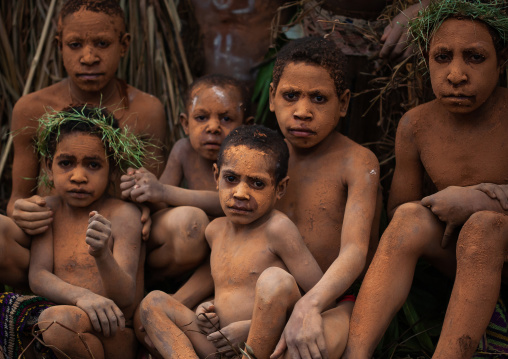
{"x": 34, "y": 283}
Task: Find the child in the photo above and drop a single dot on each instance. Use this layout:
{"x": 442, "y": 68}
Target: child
{"x": 90, "y": 262}
{"x": 332, "y": 195}
{"x": 459, "y": 139}
{"x": 215, "y": 105}
{"x": 92, "y": 39}
{"x": 248, "y": 246}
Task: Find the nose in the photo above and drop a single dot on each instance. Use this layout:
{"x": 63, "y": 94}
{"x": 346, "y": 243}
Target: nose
{"x": 78, "y": 175}
{"x": 242, "y": 191}
{"x": 303, "y": 110}
{"x": 457, "y": 74}
{"x": 88, "y": 57}
{"x": 213, "y": 125}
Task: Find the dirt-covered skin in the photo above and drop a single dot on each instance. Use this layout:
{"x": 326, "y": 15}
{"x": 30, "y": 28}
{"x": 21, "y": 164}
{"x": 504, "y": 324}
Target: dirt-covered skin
{"x": 91, "y": 46}
{"x": 459, "y": 140}
{"x": 249, "y": 249}
{"x": 90, "y": 261}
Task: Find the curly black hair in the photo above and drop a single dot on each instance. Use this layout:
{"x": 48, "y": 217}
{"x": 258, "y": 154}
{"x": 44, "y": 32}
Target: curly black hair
{"x": 108, "y": 7}
{"x": 259, "y": 138}
{"x": 313, "y": 50}
{"x": 223, "y": 81}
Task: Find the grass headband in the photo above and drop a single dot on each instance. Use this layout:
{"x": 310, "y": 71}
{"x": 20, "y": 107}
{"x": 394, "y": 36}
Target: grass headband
{"x": 123, "y": 146}
{"x": 428, "y": 20}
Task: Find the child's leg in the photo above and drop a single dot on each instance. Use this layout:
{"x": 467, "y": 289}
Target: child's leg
{"x": 14, "y": 258}
{"x": 122, "y": 345}
{"x": 177, "y": 242}
{"x": 276, "y": 294}
{"x": 172, "y": 328}
{"x": 413, "y": 232}
{"x": 482, "y": 249}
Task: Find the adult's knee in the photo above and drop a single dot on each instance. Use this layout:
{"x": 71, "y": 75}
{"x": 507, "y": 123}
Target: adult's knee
{"x": 484, "y": 239}
{"x": 275, "y": 284}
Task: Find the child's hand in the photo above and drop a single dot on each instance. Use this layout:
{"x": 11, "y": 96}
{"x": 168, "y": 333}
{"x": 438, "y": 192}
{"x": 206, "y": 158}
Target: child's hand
{"x": 231, "y": 337}
{"x": 127, "y": 183}
{"x": 495, "y": 191}
{"x": 32, "y": 215}
{"x": 98, "y": 234}
{"x": 147, "y": 187}
{"x": 207, "y": 319}
{"x": 104, "y": 314}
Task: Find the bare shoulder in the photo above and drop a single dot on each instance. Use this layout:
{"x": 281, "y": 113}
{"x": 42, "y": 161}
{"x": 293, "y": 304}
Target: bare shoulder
{"x": 145, "y": 106}
{"x": 121, "y": 212}
{"x": 182, "y": 148}
{"x": 355, "y": 160}
{"x": 29, "y": 108}
{"x": 279, "y": 226}
{"x": 214, "y": 228}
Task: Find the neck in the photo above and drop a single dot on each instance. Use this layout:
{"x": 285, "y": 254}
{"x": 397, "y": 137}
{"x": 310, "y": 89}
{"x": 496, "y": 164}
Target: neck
{"x": 97, "y": 98}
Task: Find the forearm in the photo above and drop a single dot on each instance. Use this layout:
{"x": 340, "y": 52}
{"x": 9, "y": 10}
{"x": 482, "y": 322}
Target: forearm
{"x": 118, "y": 285}
{"x": 337, "y": 279}
{"x": 197, "y": 288}
{"x": 48, "y": 285}
{"x": 208, "y": 201}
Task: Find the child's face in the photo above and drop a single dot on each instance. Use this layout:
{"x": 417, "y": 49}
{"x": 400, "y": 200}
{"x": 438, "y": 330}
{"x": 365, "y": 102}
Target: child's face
{"x": 306, "y": 104}
{"x": 463, "y": 65}
{"x": 80, "y": 169}
{"x": 213, "y": 112}
{"x": 246, "y": 184}
{"x": 92, "y": 45}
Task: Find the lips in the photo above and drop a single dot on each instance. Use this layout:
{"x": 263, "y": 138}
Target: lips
{"x": 301, "y": 132}
{"x": 239, "y": 209}
{"x": 79, "y": 193}
{"x": 89, "y": 76}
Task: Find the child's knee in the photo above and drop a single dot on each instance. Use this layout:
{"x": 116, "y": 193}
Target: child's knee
{"x": 412, "y": 226}
{"x": 483, "y": 238}
{"x": 276, "y": 283}
{"x": 61, "y": 321}
{"x": 155, "y": 302}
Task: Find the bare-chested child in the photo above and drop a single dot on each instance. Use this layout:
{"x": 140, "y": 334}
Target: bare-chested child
{"x": 215, "y": 105}
{"x": 90, "y": 261}
{"x": 250, "y": 247}
{"x": 92, "y": 38}
{"x": 459, "y": 139}
{"x": 331, "y": 197}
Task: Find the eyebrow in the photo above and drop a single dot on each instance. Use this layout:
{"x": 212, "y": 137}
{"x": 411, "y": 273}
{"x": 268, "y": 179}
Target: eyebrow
{"x": 252, "y": 178}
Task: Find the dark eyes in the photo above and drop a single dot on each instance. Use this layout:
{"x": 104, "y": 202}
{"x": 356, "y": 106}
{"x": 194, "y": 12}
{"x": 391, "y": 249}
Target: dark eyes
{"x": 319, "y": 99}
{"x": 94, "y": 165}
{"x": 476, "y": 58}
{"x": 64, "y": 163}
{"x": 230, "y": 179}
{"x": 294, "y": 96}
{"x": 73, "y": 45}
{"x": 200, "y": 118}
{"x": 102, "y": 44}
{"x": 227, "y": 119}
{"x": 470, "y": 57}
{"x": 289, "y": 96}
{"x": 258, "y": 184}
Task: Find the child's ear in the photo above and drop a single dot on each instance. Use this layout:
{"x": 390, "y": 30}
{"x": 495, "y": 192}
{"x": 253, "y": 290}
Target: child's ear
{"x": 272, "y": 97}
{"x": 344, "y": 102}
{"x": 48, "y": 169}
{"x": 249, "y": 120}
{"x": 281, "y": 187}
{"x": 125, "y": 41}
{"x": 184, "y": 120}
{"x": 216, "y": 174}
{"x": 58, "y": 40}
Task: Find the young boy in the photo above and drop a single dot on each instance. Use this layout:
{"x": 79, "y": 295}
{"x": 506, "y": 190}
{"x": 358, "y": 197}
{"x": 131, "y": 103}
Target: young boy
{"x": 459, "y": 139}
{"x": 332, "y": 195}
{"x": 215, "y": 105}
{"x": 92, "y": 39}
{"x": 248, "y": 246}
{"x": 90, "y": 262}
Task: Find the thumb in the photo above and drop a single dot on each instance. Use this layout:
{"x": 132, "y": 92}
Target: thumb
{"x": 448, "y": 233}
{"x": 280, "y": 348}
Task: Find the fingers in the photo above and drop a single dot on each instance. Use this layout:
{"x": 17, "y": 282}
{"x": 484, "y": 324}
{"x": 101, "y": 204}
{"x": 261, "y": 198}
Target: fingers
{"x": 103, "y": 320}
{"x": 147, "y": 226}
{"x": 280, "y": 348}
{"x": 321, "y": 345}
{"x": 392, "y": 38}
{"x": 93, "y": 319}
{"x": 427, "y": 201}
{"x": 120, "y": 317}
{"x": 34, "y": 228}
{"x": 32, "y": 215}
{"x": 449, "y": 230}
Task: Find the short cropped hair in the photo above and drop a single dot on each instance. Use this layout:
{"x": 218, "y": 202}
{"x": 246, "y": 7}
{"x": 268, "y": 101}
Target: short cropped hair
{"x": 315, "y": 51}
{"x": 263, "y": 139}
{"x": 108, "y": 7}
{"x": 223, "y": 81}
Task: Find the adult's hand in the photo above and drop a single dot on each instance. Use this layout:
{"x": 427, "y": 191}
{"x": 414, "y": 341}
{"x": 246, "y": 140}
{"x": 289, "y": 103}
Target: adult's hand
{"x": 495, "y": 191}
{"x": 303, "y": 335}
{"x": 104, "y": 314}
{"x": 395, "y": 36}
{"x": 32, "y": 215}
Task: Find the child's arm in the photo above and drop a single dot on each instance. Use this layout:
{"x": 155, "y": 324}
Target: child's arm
{"x": 304, "y": 330}
{"x": 407, "y": 183}
{"x": 173, "y": 173}
{"x": 117, "y": 268}
{"x": 104, "y": 314}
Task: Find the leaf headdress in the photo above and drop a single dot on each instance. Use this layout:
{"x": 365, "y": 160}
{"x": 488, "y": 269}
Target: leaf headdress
{"x": 429, "y": 19}
{"x": 122, "y": 146}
